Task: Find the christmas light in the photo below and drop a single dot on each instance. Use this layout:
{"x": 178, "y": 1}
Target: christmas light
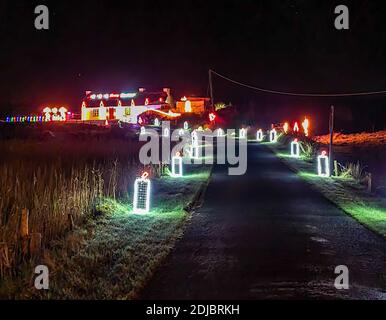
{"x": 295, "y": 149}
{"x": 273, "y": 135}
{"x": 166, "y": 132}
{"x": 212, "y": 117}
{"x": 306, "y": 124}
{"x": 242, "y": 133}
{"x": 127, "y": 95}
{"x": 194, "y": 151}
{"x": 186, "y": 125}
{"x": 220, "y": 132}
{"x": 146, "y": 101}
{"x": 142, "y": 188}
{"x": 323, "y": 165}
{"x": 143, "y": 131}
{"x": 181, "y": 132}
{"x": 188, "y": 106}
{"x": 259, "y": 135}
{"x": 177, "y": 165}
{"x": 156, "y": 122}
{"x": 285, "y": 127}
{"x": 296, "y": 127}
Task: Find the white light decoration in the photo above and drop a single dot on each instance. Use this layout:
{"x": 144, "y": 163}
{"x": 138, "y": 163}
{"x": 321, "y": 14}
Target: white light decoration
{"x": 166, "y": 132}
{"x": 295, "y": 149}
{"x": 181, "y": 132}
{"x": 273, "y": 135}
{"x": 156, "y": 122}
{"x": 143, "y": 131}
{"x": 194, "y": 151}
{"x": 177, "y": 166}
{"x": 243, "y": 133}
{"x": 186, "y": 125}
{"x": 93, "y": 96}
{"x": 323, "y": 165}
{"x": 106, "y": 96}
{"x": 259, "y": 135}
{"x": 220, "y": 132}
{"x": 127, "y": 95}
{"x": 142, "y": 188}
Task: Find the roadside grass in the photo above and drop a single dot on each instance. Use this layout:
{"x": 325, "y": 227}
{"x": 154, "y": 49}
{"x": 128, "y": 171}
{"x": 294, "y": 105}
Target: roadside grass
{"x": 346, "y": 192}
{"x": 114, "y": 255}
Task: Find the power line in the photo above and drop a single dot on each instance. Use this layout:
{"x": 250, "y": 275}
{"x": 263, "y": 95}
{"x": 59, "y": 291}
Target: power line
{"x": 353, "y": 94}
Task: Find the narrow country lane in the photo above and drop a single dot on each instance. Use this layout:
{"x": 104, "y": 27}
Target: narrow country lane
{"x": 268, "y": 235}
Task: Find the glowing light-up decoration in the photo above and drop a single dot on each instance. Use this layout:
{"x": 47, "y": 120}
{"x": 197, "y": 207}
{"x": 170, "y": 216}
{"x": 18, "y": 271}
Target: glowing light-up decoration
{"x": 177, "y": 165}
{"x": 181, "y": 132}
{"x": 147, "y": 101}
{"x": 127, "y": 95}
{"x": 273, "y": 135}
{"x": 166, "y": 132}
{"x": 295, "y": 149}
{"x": 323, "y": 165}
{"x": 186, "y": 125}
{"x": 296, "y": 127}
{"x": 47, "y": 114}
{"x": 132, "y": 103}
{"x": 212, "y": 116}
{"x": 194, "y": 151}
{"x": 188, "y": 106}
{"x": 156, "y": 122}
{"x": 106, "y": 96}
{"x": 62, "y": 112}
{"x": 286, "y": 127}
{"x": 142, "y": 188}
{"x": 142, "y": 131}
{"x": 243, "y": 133}
{"x": 200, "y": 128}
{"x": 305, "y": 125}
{"x": 259, "y": 135}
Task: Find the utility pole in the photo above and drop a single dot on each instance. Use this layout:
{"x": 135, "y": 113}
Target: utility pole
{"x": 331, "y": 146}
{"x": 211, "y": 89}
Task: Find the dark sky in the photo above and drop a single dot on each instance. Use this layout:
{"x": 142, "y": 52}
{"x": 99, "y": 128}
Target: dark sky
{"x": 122, "y": 45}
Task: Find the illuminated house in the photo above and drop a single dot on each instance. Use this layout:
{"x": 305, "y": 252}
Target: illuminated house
{"x": 125, "y": 106}
{"x": 192, "y": 105}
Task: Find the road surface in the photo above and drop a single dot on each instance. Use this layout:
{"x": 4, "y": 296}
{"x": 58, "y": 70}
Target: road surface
{"x": 268, "y": 235}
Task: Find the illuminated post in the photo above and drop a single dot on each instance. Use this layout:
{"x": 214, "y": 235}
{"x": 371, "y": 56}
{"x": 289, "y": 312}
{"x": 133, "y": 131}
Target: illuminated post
{"x": 220, "y": 132}
{"x": 177, "y": 165}
{"x": 194, "y": 153}
{"x": 295, "y": 149}
{"x": 166, "y": 132}
{"x": 259, "y": 135}
{"x": 142, "y": 187}
{"x": 242, "y": 133}
{"x": 323, "y": 165}
{"x": 273, "y": 136}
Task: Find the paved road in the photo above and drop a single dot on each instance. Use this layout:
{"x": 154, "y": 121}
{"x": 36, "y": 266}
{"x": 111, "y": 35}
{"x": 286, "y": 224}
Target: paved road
{"x": 268, "y": 235}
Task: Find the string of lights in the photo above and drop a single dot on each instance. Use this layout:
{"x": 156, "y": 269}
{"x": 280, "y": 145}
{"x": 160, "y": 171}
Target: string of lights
{"x": 297, "y": 94}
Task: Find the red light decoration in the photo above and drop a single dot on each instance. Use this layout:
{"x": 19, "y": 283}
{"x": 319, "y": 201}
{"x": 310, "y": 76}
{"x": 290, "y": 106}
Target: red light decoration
{"x": 145, "y": 175}
{"x": 147, "y": 102}
{"x": 296, "y": 127}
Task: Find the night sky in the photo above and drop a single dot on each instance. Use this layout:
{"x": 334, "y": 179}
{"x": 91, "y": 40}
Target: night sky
{"x": 122, "y": 45}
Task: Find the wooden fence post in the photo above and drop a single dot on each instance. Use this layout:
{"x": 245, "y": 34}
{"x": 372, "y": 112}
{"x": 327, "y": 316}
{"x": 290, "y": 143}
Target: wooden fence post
{"x": 24, "y": 233}
{"x": 35, "y": 244}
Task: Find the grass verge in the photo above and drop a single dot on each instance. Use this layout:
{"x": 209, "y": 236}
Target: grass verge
{"x": 115, "y": 254}
{"x": 346, "y": 193}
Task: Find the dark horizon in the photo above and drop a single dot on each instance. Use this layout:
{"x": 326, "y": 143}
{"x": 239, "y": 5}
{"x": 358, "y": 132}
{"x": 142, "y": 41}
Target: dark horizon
{"x": 280, "y": 45}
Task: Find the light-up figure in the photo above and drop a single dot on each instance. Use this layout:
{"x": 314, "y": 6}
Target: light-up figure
{"x": 186, "y": 125}
{"x": 62, "y": 112}
{"x": 273, "y": 136}
{"x": 177, "y": 165}
{"x": 259, "y": 135}
{"x": 143, "y": 131}
{"x": 166, "y": 132}
{"x": 243, "y": 133}
{"x": 286, "y": 127}
{"x": 295, "y": 148}
{"x": 306, "y": 124}
{"x": 188, "y": 106}
{"x": 323, "y": 165}
{"x": 156, "y": 122}
{"x": 296, "y": 127}
{"x": 47, "y": 114}
{"x": 142, "y": 188}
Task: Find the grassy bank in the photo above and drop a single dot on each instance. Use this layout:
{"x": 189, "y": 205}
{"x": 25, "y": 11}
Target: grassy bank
{"x": 115, "y": 254}
{"x": 345, "y": 192}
